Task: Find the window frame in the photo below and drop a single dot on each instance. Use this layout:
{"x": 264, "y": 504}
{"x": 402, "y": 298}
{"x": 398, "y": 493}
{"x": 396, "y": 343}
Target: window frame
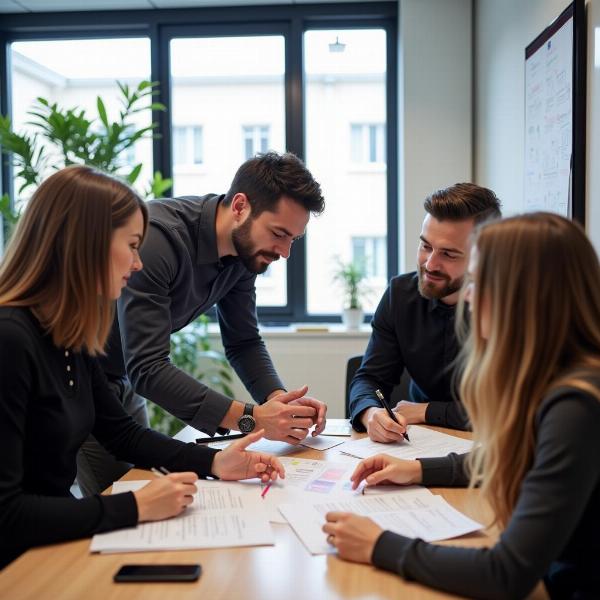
{"x": 291, "y": 21}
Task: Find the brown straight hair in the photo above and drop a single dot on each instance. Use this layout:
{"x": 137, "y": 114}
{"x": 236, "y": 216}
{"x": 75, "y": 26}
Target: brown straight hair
{"x": 539, "y": 277}
{"x": 58, "y": 260}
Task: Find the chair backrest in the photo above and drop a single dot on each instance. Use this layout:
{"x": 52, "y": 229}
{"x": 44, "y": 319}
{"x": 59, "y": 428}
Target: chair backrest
{"x": 400, "y": 392}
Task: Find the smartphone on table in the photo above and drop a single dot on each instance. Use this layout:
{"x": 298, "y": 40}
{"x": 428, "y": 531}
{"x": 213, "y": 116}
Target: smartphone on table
{"x": 139, "y": 573}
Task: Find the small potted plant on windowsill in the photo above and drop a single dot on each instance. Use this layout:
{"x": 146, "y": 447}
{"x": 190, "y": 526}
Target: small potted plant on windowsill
{"x": 351, "y": 277}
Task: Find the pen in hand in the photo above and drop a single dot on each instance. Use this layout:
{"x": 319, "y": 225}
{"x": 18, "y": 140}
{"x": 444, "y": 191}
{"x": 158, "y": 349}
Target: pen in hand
{"x": 160, "y": 472}
{"x": 389, "y": 411}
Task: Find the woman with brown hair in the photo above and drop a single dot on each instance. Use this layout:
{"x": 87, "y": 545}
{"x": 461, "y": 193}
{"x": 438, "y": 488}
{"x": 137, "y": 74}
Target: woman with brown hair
{"x": 72, "y": 253}
{"x": 531, "y": 386}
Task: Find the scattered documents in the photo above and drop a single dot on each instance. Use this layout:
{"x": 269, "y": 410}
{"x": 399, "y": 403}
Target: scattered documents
{"x": 424, "y": 443}
{"x": 221, "y": 516}
{"x": 305, "y": 480}
{"x": 415, "y": 513}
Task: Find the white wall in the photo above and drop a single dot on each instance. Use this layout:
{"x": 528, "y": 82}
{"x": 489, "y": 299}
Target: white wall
{"x": 593, "y": 124}
{"x": 435, "y": 108}
{"x": 502, "y": 31}
{"x": 314, "y": 359}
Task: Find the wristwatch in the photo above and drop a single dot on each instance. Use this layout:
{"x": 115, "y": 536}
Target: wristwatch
{"x": 247, "y": 423}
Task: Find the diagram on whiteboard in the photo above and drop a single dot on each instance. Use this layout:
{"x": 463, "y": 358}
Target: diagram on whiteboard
{"x": 549, "y": 123}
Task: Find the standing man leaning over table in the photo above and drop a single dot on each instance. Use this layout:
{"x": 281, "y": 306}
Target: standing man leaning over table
{"x": 413, "y": 326}
{"x": 202, "y": 252}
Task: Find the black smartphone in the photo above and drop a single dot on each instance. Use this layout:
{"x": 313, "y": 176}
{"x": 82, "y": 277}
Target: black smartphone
{"x": 131, "y": 573}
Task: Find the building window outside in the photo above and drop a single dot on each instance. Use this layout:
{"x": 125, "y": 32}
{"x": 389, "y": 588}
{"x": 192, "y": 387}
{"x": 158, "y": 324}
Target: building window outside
{"x": 367, "y": 143}
{"x": 256, "y": 139}
{"x": 345, "y": 120}
{"x": 188, "y": 145}
{"x": 73, "y": 73}
{"x": 370, "y": 254}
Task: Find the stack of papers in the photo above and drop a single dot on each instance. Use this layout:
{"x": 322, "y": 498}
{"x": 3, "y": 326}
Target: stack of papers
{"x": 220, "y": 516}
{"x": 424, "y": 443}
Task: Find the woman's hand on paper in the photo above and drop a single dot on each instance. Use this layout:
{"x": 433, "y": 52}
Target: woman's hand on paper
{"x": 166, "y": 496}
{"x": 383, "y": 469}
{"x": 235, "y": 462}
{"x": 353, "y": 537}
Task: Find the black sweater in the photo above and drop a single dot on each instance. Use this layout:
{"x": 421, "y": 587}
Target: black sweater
{"x": 417, "y": 334}
{"x": 554, "y": 531}
{"x": 51, "y": 399}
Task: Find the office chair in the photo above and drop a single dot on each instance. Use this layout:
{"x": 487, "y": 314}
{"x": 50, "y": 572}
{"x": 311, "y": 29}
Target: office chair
{"x": 400, "y": 392}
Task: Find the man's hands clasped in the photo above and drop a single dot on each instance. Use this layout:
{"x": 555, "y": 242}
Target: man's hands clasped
{"x": 288, "y": 416}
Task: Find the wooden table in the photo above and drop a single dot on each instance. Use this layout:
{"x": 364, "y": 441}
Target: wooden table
{"x": 285, "y": 571}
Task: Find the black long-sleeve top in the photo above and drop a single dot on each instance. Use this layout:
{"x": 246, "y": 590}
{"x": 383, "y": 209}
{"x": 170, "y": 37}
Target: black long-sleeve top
{"x": 182, "y": 278}
{"x": 417, "y": 334}
{"x": 554, "y": 531}
{"x": 51, "y": 399}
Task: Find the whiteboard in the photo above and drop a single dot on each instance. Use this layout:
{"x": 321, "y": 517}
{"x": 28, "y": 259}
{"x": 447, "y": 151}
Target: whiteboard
{"x": 549, "y": 121}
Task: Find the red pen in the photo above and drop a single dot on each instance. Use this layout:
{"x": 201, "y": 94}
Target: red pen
{"x": 264, "y": 492}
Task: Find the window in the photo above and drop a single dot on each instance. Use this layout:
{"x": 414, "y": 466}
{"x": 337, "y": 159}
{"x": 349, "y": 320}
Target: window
{"x": 209, "y": 76}
{"x": 187, "y": 146}
{"x": 256, "y": 139}
{"x": 345, "y": 98}
{"x": 367, "y": 143}
{"x": 318, "y": 80}
{"x": 370, "y": 254}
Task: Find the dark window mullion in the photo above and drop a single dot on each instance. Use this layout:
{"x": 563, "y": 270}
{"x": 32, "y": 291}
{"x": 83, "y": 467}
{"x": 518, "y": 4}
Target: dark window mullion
{"x": 294, "y": 115}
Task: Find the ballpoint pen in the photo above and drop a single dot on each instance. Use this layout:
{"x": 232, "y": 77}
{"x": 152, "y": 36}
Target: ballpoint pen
{"x": 160, "y": 472}
{"x": 389, "y": 411}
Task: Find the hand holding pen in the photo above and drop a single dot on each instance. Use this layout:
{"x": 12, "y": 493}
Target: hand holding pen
{"x": 166, "y": 496}
{"x": 389, "y": 411}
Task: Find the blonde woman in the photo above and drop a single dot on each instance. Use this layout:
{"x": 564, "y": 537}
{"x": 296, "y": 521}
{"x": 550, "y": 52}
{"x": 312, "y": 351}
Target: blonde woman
{"x": 531, "y": 385}
{"x": 71, "y": 255}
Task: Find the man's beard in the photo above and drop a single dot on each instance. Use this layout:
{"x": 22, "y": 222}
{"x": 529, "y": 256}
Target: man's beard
{"x": 242, "y": 242}
{"x": 433, "y": 291}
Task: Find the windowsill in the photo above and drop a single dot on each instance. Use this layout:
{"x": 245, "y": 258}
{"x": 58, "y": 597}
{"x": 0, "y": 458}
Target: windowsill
{"x": 305, "y": 331}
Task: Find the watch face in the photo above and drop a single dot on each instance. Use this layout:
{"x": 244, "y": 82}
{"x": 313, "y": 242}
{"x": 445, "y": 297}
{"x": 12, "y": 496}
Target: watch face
{"x": 246, "y": 423}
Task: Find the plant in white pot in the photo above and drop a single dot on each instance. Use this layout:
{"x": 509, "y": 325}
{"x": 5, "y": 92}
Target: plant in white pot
{"x": 351, "y": 277}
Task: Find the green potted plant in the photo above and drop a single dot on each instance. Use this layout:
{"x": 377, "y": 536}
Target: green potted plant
{"x": 351, "y": 276}
{"x": 59, "y": 137}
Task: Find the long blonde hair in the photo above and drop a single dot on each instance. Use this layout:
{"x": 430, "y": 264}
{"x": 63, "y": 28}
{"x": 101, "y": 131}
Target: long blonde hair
{"x": 539, "y": 278}
{"x": 57, "y": 262}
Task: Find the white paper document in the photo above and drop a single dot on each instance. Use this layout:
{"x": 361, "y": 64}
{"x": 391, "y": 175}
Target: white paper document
{"x": 424, "y": 443}
{"x": 321, "y": 442}
{"x": 415, "y": 513}
{"x": 263, "y": 445}
{"x": 338, "y": 427}
{"x": 221, "y": 516}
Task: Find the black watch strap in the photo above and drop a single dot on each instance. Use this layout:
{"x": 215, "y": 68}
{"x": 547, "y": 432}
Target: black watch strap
{"x": 249, "y": 409}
